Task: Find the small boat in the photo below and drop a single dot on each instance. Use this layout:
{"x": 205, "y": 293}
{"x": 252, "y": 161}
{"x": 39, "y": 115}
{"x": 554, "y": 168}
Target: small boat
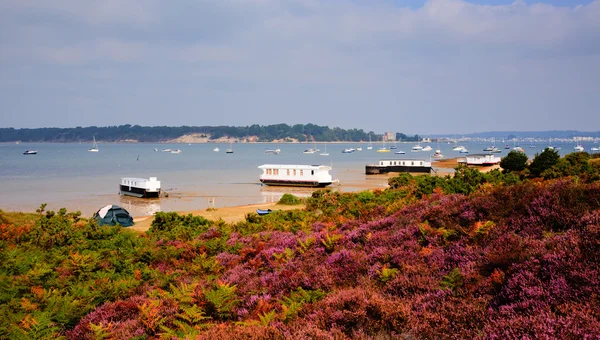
{"x": 348, "y": 150}
{"x": 359, "y": 149}
{"x": 393, "y": 147}
{"x": 155, "y": 149}
{"x": 140, "y": 187}
{"x": 578, "y": 148}
{"x": 507, "y": 146}
{"x": 325, "y": 153}
{"x": 438, "y": 154}
{"x": 176, "y": 151}
{"x": 519, "y": 149}
{"x": 427, "y": 148}
{"x": 30, "y": 152}
{"x": 95, "y": 147}
{"x": 370, "y": 147}
{"x": 216, "y": 149}
{"x": 263, "y": 211}
{"x": 166, "y": 150}
{"x": 416, "y": 148}
{"x": 463, "y": 150}
{"x": 595, "y": 149}
{"x": 458, "y": 148}
{"x": 273, "y": 151}
{"x": 230, "y": 150}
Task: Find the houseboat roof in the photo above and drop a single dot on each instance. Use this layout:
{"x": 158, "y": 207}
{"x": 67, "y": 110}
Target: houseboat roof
{"x": 294, "y": 166}
{"x": 480, "y": 155}
{"x": 138, "y": 179}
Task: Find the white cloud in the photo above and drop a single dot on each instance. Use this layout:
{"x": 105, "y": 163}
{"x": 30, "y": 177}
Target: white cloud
{"x": 447, "y": 58}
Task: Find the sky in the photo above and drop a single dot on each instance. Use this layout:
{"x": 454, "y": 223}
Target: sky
{"x": 435, "y": 66}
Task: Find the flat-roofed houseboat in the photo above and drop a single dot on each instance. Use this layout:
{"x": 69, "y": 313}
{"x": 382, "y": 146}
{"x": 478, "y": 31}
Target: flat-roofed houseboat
{"x": 140, "y": 187}
{"x": 316, "y": 176}
{"x": 398, "y": 165}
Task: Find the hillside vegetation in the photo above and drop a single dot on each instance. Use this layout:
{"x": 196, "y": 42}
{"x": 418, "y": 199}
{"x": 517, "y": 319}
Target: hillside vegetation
{"x": 499, "y": 255}
{"x": 154, "y": 134}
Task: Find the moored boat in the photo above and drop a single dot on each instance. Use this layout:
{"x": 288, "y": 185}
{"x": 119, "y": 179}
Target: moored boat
{"x": 296, "y": 175}
{"x": 140, "y": 187}
{"x": 30, "y": 152}
{"x": 481, "y": 159}
{"x": 398, "y": 165}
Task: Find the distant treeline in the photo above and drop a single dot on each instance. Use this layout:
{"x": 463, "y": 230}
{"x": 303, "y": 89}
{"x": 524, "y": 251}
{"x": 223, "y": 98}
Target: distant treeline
{"x": 153, "y": 134}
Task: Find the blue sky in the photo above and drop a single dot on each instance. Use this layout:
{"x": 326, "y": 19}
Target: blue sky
{"x": 436, "y": 66}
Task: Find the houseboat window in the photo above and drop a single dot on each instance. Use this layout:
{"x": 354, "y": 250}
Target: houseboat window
{"x": 301, "y": 172}
{"x": 288, "y": 172}
{"x": 420, "y": 163}
{"x": 412, "y": 163}
{"x": 312, "y": 172}
{"x": 276, "y": 171}
{"x": 294, "y": 172}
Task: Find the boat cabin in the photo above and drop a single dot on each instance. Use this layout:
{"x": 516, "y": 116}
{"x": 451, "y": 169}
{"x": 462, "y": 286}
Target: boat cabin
{"x": 140, "y": 187}
{"x": 398, "y": 165}
{"x": 481, "y": 159}
{"x": 296, "y": 175}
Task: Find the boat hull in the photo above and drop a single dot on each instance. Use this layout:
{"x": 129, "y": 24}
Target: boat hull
{"x": 294, "y": 183}
{"x": 374, "y": 169}
{"x": 137, "y": 192}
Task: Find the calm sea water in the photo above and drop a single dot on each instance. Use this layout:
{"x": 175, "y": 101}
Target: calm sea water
{"x": 67, "y": 175}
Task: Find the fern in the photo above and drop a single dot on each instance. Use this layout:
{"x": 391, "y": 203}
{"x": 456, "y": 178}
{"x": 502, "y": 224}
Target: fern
{"x": 221, "y": 301}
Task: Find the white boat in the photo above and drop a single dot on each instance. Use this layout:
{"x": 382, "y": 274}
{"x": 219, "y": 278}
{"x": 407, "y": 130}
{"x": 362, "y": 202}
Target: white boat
{"x": 230, "y": 150}
{"x": 578, "y": 148}
{"x": 438, "y": 154}
{"x": 399, "y": 152}
{"x": 519, "y": 149}
{"x": 176, "y": 151}
{"x": 595, "y": 149}
{"x": 216, "y": 149}
{"x": 30, "y": 152}
{"x": 370, "y": 146}
{"x": 398, "y": 165}
{"x": 359, "y": 148}
{"x": 481, "y": 160}
{"x": 273, "y": 151}
{"x": 166, "y": 150}
{"x": 311, "y": 150}
{"x": 427, "y": 148}
{"x": 296, "y": 175}
{"x": 140, "y": 187}
{"x": 95, "y": 147}
{"x": 458, "y": 148}
{"x": 348, "y": 150}
{"x": 155, "y": 149}
{"x": 416, "y": 148}
{"x": 325, "y": 153}
{"x": 463, "y": 150}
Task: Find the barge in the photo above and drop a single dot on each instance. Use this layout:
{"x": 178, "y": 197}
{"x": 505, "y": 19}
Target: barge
{"x": 140, "y": 187}
{"x": 314, "y": 176}
{"x": 398, "y": 165}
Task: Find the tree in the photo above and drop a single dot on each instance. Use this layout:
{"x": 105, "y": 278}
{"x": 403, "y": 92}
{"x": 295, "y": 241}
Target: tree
{"x": 514, "y": 161}
{"x": 543, "y": 161}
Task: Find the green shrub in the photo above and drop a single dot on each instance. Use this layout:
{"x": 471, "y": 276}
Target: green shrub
{"x": 289, "y": 199}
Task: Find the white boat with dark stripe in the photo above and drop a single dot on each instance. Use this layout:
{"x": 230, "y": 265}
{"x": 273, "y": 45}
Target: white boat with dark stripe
{"x": 398, "y": 165}
{"x": 140, "y": 187}
{"x": 315, "y": 176}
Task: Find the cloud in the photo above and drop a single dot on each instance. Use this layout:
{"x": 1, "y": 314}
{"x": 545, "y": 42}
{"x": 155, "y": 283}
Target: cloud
{"x": 327, "y": 62}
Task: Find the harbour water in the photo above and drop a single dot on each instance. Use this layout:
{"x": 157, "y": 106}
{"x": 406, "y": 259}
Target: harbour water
{"x": 67, "y": 175}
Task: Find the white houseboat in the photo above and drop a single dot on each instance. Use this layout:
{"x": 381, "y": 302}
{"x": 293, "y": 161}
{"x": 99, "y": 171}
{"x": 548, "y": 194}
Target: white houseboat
{"x": 481, "y": 160}
{"x": 316, "y": 176}
{"x": 140, "y": 187}
{"x": 398, "y": 165}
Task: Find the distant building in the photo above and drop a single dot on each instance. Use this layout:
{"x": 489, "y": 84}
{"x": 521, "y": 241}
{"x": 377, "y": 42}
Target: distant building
{"x": 583, "y": 139}
{"x": 389, "y": 136}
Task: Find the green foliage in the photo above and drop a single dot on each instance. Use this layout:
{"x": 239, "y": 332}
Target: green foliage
{"x": 289, "y": 199}
{"x": 221, "y": 300}
{"x": 453, "y": 280}
{"x": 387, "y": 274}
{"x": 543, "y": 161}
{"x": 292, "y": 304}
{"x": 514, "y": 161}
{"x": 402, "y": 180}
{"x": 171, "y": 225}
